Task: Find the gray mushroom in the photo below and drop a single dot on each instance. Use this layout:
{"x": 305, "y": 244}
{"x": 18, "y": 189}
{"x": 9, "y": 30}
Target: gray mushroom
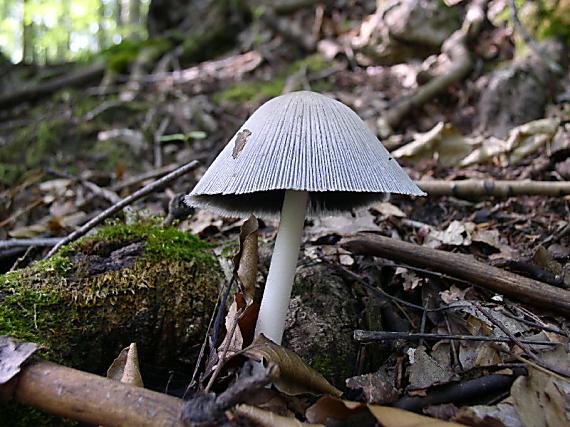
{"x": 300, "y": 154}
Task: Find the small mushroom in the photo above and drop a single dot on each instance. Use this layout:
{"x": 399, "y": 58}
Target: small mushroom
{"x": 298, "y": 154}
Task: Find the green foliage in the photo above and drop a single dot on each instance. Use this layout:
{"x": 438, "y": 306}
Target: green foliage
{"x": 121, "y": 56}
{"x": 64, "y": 30}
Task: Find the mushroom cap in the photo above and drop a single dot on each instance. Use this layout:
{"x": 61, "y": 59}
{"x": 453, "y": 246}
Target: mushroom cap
{"x": 300, "y": 141}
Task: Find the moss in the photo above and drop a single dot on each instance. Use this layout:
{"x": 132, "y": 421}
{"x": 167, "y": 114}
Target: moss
{"x": 120, "y": 57}
{"x": 258, "y": 91}
{"x": 83, "y": 318}
{"x": 161, "y": 243}
{"x": 251, "y": 91}
{"x": 312, "y": 63}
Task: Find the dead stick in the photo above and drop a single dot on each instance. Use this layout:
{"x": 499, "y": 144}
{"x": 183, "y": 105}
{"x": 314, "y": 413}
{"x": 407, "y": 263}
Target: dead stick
{"x": 466, "y": 268}
{"x": 89, "y": 398}
{"x": 487, "y": 187}
{"x": 81, "y": 231}
{"x": 26, "y": 243}
{"x": 459, "y": 392}
{"x": 372, "y": 336}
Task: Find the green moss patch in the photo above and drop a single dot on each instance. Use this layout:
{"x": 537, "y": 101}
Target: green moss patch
{"x": 141, "y": 283}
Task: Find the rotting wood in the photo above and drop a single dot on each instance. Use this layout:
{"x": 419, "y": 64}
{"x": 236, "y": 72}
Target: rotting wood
{"x": 466, "y": 268}
{"x": 89, "y": 398}
{"x": 472, "y": 188}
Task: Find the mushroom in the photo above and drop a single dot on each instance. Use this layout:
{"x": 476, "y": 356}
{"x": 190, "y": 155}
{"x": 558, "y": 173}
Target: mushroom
{"x": 299, "y": 154}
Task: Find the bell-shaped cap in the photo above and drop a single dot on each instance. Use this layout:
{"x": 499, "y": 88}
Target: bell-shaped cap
{"x": 300, "y": 141}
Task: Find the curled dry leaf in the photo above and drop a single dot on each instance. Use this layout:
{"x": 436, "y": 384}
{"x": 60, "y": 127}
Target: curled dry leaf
{"x": 245, "y": 261}
{"x": 294, "y": 377}
{"x": 125, "y": 368}
{"x": 12, "y": 354}
{"x": 330, "y": 408}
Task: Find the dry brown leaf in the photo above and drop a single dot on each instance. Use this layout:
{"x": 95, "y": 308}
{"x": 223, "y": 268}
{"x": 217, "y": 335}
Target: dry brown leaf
{"x": 388, "y": 209}
{"x": 442, "y": 142}
{"x": 335, "y": 409}
{"x": 425, "y": 371}
{"x": 29, "y": 232}
{"x": 521, "y": 142}
{"x": 125, "y": 368}
{"x": 457, "y": 233}
{"x": 295, "y": 377}
{"x": 500, "y": 415}
{"x": 12, "y": 354}
{"x": 268, "y": 419}
{"x": 377, "y": 387}
{"x": 245, "y": 261}
{"x": 541, "y": 399}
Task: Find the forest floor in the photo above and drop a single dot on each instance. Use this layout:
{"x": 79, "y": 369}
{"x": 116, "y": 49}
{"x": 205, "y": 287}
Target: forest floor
{"x": 67, "y": 157}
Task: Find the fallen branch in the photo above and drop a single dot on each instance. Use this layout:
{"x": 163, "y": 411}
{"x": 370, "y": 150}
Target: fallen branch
{"x": 26, "y": 243}
{"x": 219, "y": 69}
{"x": 459, "y": 392}
{"x": 477, "y": 188}
{"x": 89, "y": 398}
{"x": 466, "y": 268}
{"x": 373, "y": 336}
{"x": 81, "y": 231}
{"x": 77, "y": 79}
{"x": 457, "y": 50}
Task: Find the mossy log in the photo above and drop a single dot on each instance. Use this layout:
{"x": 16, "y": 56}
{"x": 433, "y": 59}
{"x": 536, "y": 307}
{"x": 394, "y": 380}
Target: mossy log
{"x": 145, "y": 284}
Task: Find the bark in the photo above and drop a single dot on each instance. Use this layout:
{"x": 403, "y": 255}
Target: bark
{"x": 476, "y": 188}
{"x": 89, "y": 398}
{"x": 465, "y": 267}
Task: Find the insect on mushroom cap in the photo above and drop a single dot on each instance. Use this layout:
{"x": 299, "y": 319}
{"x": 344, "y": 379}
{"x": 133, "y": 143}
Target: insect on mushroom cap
{"x": 300, "y": 141}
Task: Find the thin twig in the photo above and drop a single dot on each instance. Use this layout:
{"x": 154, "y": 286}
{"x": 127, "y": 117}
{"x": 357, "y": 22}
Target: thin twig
{"x": 81, "y": 231}
{"x": 520, "y": 344}
{"x": 373, "y": 336}
{"x": 104, "y": 193}
{"x": 222, "y": 359}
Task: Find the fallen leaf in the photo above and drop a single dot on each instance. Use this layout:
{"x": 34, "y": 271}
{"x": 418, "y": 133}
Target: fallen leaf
{"x": 12, "y": 354}
{"x": 377, "y": 387}
{"x": 268, "y": 419}
{"x": 457, "y": 233}
{"x": 541, "y": 399}
{"x": 425, "y": 371}
{"x": 388, "y": 209}
{"x": 500, "y": 415}
{"x": 295, "y": 377}
{"x": 330, "y": 409}
{"x": 442, "y": 142}
{"x": 125, "y": 368}
{"x": 245, "y": 261}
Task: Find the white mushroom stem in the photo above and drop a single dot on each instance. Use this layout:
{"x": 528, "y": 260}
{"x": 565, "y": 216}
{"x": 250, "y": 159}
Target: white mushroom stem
{"x": 275, "y": 302}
